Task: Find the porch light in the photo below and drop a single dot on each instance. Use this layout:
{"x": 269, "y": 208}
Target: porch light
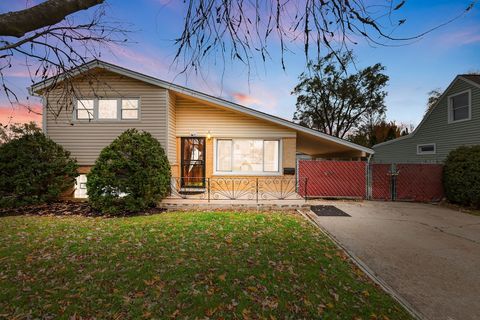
{"x": 209, "y": 135}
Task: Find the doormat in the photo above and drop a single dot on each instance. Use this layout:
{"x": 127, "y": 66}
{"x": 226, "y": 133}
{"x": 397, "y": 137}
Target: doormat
{"x": 328, "y": 211}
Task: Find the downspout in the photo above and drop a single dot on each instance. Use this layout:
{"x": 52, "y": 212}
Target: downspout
{"x": 369, "y": 178}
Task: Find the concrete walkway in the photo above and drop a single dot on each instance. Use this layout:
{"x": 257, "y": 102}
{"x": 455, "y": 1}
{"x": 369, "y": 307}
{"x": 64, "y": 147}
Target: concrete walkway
{"x": 428, "y": 254}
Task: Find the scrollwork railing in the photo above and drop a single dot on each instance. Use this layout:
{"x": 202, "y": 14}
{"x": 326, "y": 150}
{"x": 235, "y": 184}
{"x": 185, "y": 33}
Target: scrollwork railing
{"x": 236, "y": 188}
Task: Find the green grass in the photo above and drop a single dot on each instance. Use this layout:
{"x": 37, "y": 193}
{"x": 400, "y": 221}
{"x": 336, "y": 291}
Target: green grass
{"x": 181, "y": 265}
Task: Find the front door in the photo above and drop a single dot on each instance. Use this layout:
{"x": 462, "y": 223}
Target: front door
{"x": 193, "y": 163}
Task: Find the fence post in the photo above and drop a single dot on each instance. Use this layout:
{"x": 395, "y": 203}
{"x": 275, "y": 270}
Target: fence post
{"x": 256, "y": 190}
{"x": 368, "y": 180}
{"x": 306, "y": 189}
{"x": 393, "y": 181}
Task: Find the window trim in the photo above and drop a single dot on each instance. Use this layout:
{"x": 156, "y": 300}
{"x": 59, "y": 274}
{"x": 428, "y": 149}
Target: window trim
{"x": 243, "y": 173}
{"x": 120, "y": 109}
{"x": 76, "y": 109}
{"x": 96, "y": 118}
{"x": 80, "y": 186}
{"x": 450, "y": 106}
{"x": 97, "y": 114}
{"x": 419, "y": 152}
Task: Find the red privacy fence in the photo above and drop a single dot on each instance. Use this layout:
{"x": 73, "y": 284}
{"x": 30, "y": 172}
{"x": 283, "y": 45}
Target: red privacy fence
{"x": 377, "y": 181}
{"x": 345, "y": 179}
{"x": 419, "y": 182}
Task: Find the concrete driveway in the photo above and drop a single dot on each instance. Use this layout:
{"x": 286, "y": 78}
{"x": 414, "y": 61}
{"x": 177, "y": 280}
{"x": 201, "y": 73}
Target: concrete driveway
{"x": 428, "y": 254}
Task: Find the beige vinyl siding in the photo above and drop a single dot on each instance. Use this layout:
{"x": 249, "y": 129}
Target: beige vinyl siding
{"x": 436, "y": 129}
{"x": 195, "y": 117}
{"x": 172, "y": 124}
{"x": 86, "y": 139}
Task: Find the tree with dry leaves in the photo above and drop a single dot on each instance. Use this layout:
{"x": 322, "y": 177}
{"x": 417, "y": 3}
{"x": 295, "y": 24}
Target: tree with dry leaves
{"x": 335, "y": 101}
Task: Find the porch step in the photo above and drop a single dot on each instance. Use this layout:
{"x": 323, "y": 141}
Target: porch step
{"x": 192, "y": 191}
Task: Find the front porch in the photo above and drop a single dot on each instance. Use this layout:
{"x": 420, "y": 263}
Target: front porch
{"x": 179, "y": 204}
{"x": 237, "y": 192}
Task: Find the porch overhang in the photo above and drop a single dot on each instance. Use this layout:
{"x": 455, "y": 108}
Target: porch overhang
{"x": 319, "y": 147}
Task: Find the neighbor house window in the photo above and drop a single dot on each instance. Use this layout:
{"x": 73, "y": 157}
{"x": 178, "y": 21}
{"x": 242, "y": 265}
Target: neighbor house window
{"x": 85, "y": 109}
{"x": 429, "y": 148}
{"x": 81, "y": 186}
{"x": 247, "y": 156}
{"x": 107, "y": 109}
{"x": 459, "y": 107}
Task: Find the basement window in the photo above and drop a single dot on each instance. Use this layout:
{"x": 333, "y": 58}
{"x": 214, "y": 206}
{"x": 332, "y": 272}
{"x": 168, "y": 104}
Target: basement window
{"x": 81, "y": 187}
{"x": 429, "y": 148}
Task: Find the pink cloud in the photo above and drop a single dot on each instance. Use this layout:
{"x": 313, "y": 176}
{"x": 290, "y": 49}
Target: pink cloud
{"x": 259, "y": 98}
{"x": 466, "y": 36}
{"x": 20, "y": 114}
{"x": 245, "y": 99}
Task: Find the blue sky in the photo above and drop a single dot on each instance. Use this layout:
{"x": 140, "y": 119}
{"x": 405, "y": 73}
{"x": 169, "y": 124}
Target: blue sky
{"x": 414, "y": 69}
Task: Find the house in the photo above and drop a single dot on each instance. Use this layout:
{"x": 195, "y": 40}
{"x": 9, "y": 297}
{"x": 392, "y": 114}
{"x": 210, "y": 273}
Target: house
{"x": 204, "y": 136}
{"x": 452, "y": 122}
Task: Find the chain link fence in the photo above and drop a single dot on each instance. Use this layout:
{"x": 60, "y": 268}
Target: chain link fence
{"x": 420, "y": 182}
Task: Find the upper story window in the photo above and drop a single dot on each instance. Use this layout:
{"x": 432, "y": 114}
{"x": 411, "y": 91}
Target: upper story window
{"x": 459, "y": 107}
{"x": 107, "y": 109}
{"x": 85, "y": 109}
{"x": 129, "y": 109}
{"x": 247, "y": 156}
{"x": 429, "y": 148}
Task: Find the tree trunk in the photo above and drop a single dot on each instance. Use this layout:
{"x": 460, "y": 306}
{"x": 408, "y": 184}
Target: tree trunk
{"x": 50, "y": 12}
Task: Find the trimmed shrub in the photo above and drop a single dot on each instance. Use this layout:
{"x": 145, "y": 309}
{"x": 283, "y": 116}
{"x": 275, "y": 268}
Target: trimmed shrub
{"x": 130, "y": 175}
{"x": 461, "y": 176}
{"x": 34, "y": 169}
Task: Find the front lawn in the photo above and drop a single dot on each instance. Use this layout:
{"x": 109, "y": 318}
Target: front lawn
{"x": 180, "y": 265}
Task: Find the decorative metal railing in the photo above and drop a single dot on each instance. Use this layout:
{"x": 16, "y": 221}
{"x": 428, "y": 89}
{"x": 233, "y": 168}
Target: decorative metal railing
{"x": 254, "y": 188}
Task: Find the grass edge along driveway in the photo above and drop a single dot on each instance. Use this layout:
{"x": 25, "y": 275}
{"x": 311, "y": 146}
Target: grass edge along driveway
{"x": 181, "y": 265}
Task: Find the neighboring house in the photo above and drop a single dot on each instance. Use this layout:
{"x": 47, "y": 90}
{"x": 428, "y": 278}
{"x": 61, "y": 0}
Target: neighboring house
{"x": 203, "y": 136}
{"x": 454, "y": 121}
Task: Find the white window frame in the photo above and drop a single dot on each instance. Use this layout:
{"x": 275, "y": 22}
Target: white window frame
{"x": 450, "y": 106}
{"x": 120, "y": 109}
{"x": 419, "y": 152}
{"x": 246, "y": 173}
{"x": 75, "y": 113}
{"x": 119, "y": 118}
{"x": 97, "y": 113}
{"x": 80, "y": 186}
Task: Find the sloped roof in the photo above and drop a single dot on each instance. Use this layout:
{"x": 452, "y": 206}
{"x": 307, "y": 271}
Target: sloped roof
{"x": 37, "y": 87}
{"x": 470, "y": 78}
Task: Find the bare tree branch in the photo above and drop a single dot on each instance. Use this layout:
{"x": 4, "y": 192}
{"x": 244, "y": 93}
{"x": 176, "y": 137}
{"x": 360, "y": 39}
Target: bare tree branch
{"x": 241, "y": 30}
{"x": 53, "y": 51}
{"x": 48, "y": 13}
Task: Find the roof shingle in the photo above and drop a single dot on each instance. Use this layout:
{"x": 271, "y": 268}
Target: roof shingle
{"x": 472, "y": 77}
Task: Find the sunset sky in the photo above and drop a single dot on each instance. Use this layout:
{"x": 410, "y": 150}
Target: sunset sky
{"x": 414, "y": 69}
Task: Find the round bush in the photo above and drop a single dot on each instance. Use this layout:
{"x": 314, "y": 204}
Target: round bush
{"x": 34, "y": 169}
{"x": 461, "y": 176}
{"x": 130, "y": 175}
